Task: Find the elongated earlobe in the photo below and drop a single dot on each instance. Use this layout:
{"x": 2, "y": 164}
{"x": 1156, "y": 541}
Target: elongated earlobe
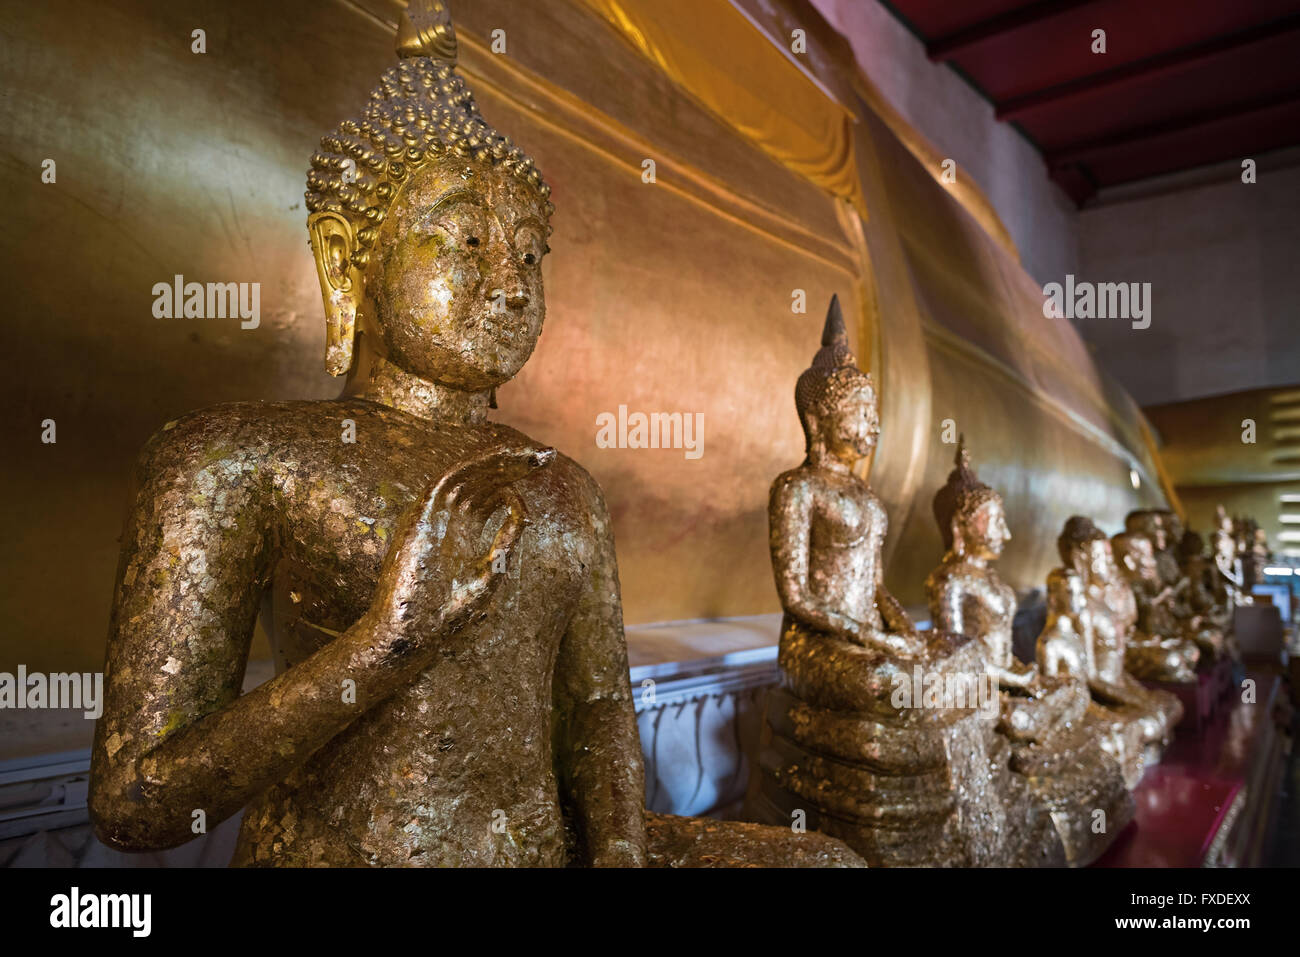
{"x": 333, "y": 242}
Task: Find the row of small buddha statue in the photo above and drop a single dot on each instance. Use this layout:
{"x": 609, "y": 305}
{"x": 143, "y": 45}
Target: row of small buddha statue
{"x": 1044, "y": 777}
{"x": 452, "y": 677}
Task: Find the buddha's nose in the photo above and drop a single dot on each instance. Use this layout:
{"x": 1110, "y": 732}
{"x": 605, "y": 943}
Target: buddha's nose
{"x": 513, "y": 293}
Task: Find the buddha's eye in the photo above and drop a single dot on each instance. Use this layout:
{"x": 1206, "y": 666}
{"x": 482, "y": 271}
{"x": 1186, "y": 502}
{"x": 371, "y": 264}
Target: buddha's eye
{"x": 531, "y": 248}
{"x": 463, "y": 224}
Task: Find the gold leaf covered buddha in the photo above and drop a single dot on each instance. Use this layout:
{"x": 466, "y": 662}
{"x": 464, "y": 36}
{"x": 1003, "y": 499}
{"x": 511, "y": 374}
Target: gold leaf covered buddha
{"x": 1053, "y": 727}
{"x": 902, "y": 781}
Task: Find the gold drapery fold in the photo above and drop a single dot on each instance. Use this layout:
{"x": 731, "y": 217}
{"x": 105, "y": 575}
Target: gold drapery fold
{"x": 745, "y": 81}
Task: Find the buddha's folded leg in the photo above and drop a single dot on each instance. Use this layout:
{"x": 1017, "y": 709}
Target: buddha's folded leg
{"x": 673, "y": 841}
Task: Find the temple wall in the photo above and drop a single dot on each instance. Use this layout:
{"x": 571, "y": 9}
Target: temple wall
{"x": 1220, "y": 255}
{"x": 1241, "y": 451}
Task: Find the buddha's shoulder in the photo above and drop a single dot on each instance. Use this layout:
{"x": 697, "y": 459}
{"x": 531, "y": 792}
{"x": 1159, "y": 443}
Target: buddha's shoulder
{"x": 242, "y": 437}
{"x": 291, "y": 425}
{"x": 947, "y": 573}
{"x": 215, "y": 433}
{"x": 234, "y": 428}
{"x": 1065, "y": 581}
{"x": 818, "y": 482}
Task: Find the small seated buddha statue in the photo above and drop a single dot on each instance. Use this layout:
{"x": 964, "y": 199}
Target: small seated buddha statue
{"x": 452, "y": 683}
{"x": 1157, "y": 650}
{"x": 1175, "y": 614}
{"x": 1051, "y": 722}
{"x": 1200, "y": 574}
{"x": 1090, "y": 613}
{"x": 901, "y": 781}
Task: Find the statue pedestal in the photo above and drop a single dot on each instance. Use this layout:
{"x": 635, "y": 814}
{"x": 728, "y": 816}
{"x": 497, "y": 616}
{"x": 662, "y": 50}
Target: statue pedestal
{"x": 903, "y": 784}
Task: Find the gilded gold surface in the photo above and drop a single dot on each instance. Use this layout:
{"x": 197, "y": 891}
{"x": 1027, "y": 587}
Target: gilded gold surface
{"x": 452, "y": 678}
{"x": 900, "y": 782}
{"x": 778, "y": 109}
{"x": 1054, "y": 733}
{"x": 208, "y": 184}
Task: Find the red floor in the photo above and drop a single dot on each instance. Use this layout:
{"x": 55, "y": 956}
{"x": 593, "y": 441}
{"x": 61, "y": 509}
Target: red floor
{"x": 1182, "y": 801}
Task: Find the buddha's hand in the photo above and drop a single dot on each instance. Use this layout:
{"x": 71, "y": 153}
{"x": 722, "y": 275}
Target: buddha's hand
{"x": 905, "y": 644}
{"x": 439, "y": 575}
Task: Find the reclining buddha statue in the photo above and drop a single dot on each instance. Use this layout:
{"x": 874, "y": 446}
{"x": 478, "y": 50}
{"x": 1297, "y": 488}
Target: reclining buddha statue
{"x": 1051, "y": 722}
{"x": 1090, "y": 614}
{"x": 452, "y": 680}
{"x": 880, "y": 734}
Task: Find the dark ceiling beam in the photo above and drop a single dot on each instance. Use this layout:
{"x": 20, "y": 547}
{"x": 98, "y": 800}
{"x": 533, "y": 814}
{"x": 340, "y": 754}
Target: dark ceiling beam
{"x": 947, "y": 47}
{"x": 1085, "y": 150}
{"x": 1143, "y": 69}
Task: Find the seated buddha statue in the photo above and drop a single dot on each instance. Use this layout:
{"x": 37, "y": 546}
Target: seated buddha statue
{"x": 1157, "y": 650}
{"x": 1255, "y": 553}
{"x": 1200, "y": 574}
{"x": 1090, "y": 613}
{"x": 1054, "y": 728}
{"x": 452, "y": 682}
{"x": 1178, "y": 619}
{"x": 901, "y": 781}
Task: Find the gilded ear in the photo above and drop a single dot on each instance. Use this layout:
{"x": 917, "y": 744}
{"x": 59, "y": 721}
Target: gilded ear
{"x": 333, "y": 241}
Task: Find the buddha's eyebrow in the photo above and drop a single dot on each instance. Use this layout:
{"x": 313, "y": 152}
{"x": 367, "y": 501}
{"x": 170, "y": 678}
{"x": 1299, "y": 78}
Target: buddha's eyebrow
{"x": 457, "y": 194}
{"x": 528, "y": 219}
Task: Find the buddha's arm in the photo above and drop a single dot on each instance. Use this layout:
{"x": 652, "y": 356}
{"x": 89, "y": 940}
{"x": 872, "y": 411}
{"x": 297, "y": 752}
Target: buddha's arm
{"x": 892, "y": 613}
{"x": 599, "y": 747}
{"x": 946, "y": 600}
{"x": 948, "y": 597}
{"x": 176, "y": 736}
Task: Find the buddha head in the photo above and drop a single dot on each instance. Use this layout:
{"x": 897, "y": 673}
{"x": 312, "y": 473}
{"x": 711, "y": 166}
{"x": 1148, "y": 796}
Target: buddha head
{"x": 1174, "y": 527}
{"x": 1085, "y": 548}
{"x": 1191, "y": 545}
{"x": 971, "y": 516}
{"x": 427, "y": 225}
{"x": 1136, "y": 557}
{"x": 1191, "y": 550}
{"x": 836, "y": 400}
{"x": 1150, "y": 523}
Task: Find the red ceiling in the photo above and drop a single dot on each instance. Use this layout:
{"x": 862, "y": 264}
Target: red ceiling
{"x": 1182, "y": 82}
